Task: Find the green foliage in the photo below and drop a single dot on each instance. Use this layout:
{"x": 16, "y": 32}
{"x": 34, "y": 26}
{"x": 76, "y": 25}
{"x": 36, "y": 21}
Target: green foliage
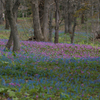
{"x": 11, "y": 93}
{"x": 14, "y": 54}
{"x": 3, "y": 90}
{"x": 65, "y": 96}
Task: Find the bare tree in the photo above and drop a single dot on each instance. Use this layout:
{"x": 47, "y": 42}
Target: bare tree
{"x": 11, "y": 9}
{"x": 67, "y": 15}
{"x": 57, "y": 21}
{"x": 40, "y": 10}
{"x": 36, "y": 21}
{"x": 45, "y": 21}
{"x": 50, "y": 23}
{"x": 41, "y": 13}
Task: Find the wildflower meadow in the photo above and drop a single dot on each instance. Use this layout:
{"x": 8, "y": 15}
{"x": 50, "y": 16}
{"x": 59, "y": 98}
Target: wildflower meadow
{"x": 48, "y": 71}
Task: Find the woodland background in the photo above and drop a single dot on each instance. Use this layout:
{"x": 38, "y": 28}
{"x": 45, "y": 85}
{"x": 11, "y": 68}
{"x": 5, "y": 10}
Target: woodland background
{"x": 44, "y": 20}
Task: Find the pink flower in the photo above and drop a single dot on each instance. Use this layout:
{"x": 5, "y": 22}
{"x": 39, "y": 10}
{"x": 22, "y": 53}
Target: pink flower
{"x": 82, "y": 84}
{"x": 36, "y": 74}
{"x": 37, "y": 96}
{"x": 25, "y": 72}
{"x": 71, "y": 78}
{"x": 51, "y": 87}
{"x": 18, "y": 85}
{"x": 57, "y": 88}
{"x": 82, "y": 72}
{"x": 12, "y": 84}
{"x": 82, "y": 95}
{"x": 44, "y": 87}
{"x": 88, "y": 72}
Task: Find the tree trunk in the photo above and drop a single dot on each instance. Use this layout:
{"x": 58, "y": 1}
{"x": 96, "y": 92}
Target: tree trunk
{"x": 6, "y": 21}
{"x": 50, "y": 25}
{"x": 45, "y": 21}
{"x": 15, "y": 15}
{"x": 41, "y": 13}
{"x": 82, "y": 18}
{"x": 67, "y": 16}
{"x": 66, "y": 24}
{"x": 1, "y": 13}
{"x": 11, "y": 9}
{"x": 66, "y": 6}
{"x": 36, "y": 21}
{"x": 69, "y": 22}
{"x": 9, "y": 43}
{"x": 57, "y": 22}
{"x": 73, "y": 31}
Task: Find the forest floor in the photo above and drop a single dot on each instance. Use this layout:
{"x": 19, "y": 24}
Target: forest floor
{"x": 48, "y": 71}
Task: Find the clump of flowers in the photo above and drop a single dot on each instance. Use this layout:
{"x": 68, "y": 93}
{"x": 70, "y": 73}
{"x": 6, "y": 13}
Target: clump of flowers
{"x": 14, "y": 84}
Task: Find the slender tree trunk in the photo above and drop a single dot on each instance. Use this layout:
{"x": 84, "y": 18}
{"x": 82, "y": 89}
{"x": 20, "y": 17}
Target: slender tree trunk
{"x": 50, "y": 25}
{"x": 66, "y": 6}
{"x": 92, "y": 20}
{"x": 66, "y": 25}
{"x": 73, "y": 31}
{"x": 41, "y": 13}
{"x": 1, "y": 13}
{"x": 45, "y": 21}
{"x": 36, "y": 21}
{"x": 11, "y": 9}
{"x": 82, "y": 18}
{"x": 6, "y": 21}
{"x": 57, "y": 22}
{"x": 6, "y": 18}
{"x": 69, "y": 22}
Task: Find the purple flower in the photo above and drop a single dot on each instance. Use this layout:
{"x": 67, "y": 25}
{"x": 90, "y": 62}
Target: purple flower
{"x": 51, "y": 87}
{"x": 82, "y": 95}
{"x": 12, "y": 84}
{"x": 18, "y": 85}
{"x": 37, "y": 96}
{"x": 88, "y": 72}
{"x": 38, "y": 79}
{"x": 71, "y": 78}
{"x": 36, "y": 74}
{"x": 82, "y": 84}
{"x": 57, "y": 88}
{"x": 82, "y": 72}
{"x": 44, "y": 87}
